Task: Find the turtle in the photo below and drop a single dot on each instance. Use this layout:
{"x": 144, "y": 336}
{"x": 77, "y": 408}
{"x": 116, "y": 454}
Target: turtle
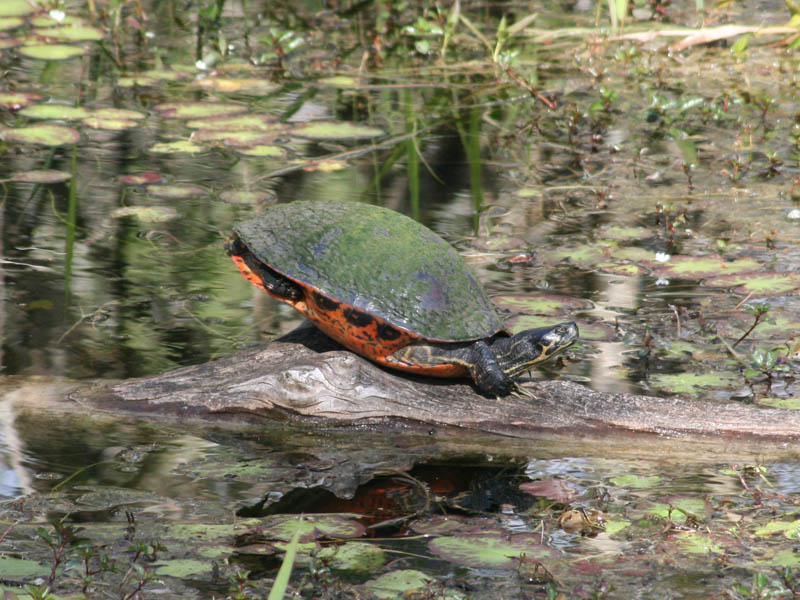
{"x": 390, "y": 289}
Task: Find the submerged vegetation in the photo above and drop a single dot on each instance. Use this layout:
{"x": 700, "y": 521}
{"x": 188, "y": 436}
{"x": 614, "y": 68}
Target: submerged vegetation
{"x": 631, "y": 166}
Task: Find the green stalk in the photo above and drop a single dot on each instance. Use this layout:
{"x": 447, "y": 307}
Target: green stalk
{"x": 278, "y": 590}
{"x": 412, "y": 157}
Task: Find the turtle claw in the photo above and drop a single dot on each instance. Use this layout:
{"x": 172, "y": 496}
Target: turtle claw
{"x": 523, "y": 393}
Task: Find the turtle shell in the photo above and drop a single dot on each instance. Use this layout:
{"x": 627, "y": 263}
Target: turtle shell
{"x": 378, "y": 261}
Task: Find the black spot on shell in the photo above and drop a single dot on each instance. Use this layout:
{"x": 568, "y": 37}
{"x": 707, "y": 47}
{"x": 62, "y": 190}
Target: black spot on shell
{"x": 388, "y": 333}
{"x": 325, "y": 303}
{"x": 357, "y": 318}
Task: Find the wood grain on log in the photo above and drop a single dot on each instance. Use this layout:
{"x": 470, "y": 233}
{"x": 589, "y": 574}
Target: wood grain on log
{"x": 305, "y": 377}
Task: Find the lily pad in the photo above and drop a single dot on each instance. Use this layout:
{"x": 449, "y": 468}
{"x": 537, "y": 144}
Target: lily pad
{"x": 17, "y": 8}
{"x": 16, "y": 569}
{"x": 786, "y": 403}
{"x": 71, "y": 33}
{"x": 693, "y": 383}
{"x": 52, "y": 51}
{"x": 54, "y": 111}
{"x": 41, "y": 176}
{"x": 177, "y": 147}
{"x": 582, "y": 255}
{"x": 246, "y": 197}
{"x": 789, "y": 529}
{"x": 760, "y": 284}
{"x": 16, "y": 100}
{"x": 312, "y": 527}
{"x": 353, "y": 556}
{"x": 541, "y": 304}
{"x": 148, "y": 214}
{"x": 623, "y": 233}
{"x": 240, "y": 123}
{"x": 110, "y": 124}
{"x": 184, "y": 568}
{"x": 45, "y": 134}
{"x": 197, "y": 110}
{"x": 695, "y": 542}
{"x": 264, "y": 151}
{"x": 678, "y": 508}
{"x": 700, "y": 267}
{"x": 491, "y": 551}
{"x": 142, "y": 178}
{"x": 624, "y": 269}
{"x": 631, "y": 480}
{"x": 398, "y": 584}
{"x": 118, "y": 113}
{"x": 340, "y": 81}
{"x": 176, "y": 191}
{"x": 235, "y": 138}
{"x": 7, "y": 23}
{"x": 336, "y": 130}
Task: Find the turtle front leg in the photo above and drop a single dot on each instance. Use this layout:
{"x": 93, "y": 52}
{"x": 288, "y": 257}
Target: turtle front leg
{"x": 486, "y": 371}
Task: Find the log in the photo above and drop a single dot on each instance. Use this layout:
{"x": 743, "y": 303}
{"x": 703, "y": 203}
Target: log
{"x": 304, "y": 377}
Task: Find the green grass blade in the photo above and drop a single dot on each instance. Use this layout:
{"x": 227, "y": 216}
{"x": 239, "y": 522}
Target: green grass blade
{"x": 278, "y": 590}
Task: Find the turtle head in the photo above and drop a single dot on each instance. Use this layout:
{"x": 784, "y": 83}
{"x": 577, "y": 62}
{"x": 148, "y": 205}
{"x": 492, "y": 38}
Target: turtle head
{"x": 533, "y": 346}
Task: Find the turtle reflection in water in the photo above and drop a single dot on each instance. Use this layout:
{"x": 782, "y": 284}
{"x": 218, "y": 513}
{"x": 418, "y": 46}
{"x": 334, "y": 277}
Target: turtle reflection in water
{"x": 389, "y": 289}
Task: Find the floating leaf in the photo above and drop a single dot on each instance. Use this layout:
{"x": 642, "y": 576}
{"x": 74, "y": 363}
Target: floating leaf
{"x": 235, "y": 138}
{"x": 197, "y": 110}
{"x": 52, "y": 51}
{"x": 760, "y": 284}
{"x": 7, "y": 23}
{"x": 15, "y": 100}
{"x": 491, "y": 551}
{"x": 623, "y": 233}
{"x": 142, "y": 178}
{"x": 786, "y": 403}
{"x": 176, "y": 147}
{"x": 626, "y": 269}
{"x": 556, "y": 490}
{"x": 312, "y": 527}
{"x": 183, "y": 568}
{"x": 692, "y": 383}
{"x": 631, "y": 480}
{"x": 148, "y": 214}
{"x": 176, "y": 191}
{"x": 397, "y": 584}
{"x": 264, "y": 151}
{"x": 695, "y": 542}
{"x": 45, "y": 134}
{"x": 110, "y": 124}
{"x": 583, "y": 255}
{"x": 118, "y": 113}
{"x": 54, "y": 111}
{"x": 700, "y": 267}
{"x": 71, "y": 33}
{"x": 353, "y": 556}
{"x": 789, "y": 529}
{"x": 41, "y": 176}
{"x": 246, "y": 197}
{"x": 17, "y": 8}
{"x": 340, "y": 81}
{"x": 336, "y": 130}
{"x": 541, "y": 304}
{"x": 17, "y": 569}
{"x": 225, "y": 84}
{"x": 240, "y": 123}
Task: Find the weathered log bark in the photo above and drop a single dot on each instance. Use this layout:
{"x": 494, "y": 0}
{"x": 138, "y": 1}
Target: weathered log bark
{"x": 305, "y": 377}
